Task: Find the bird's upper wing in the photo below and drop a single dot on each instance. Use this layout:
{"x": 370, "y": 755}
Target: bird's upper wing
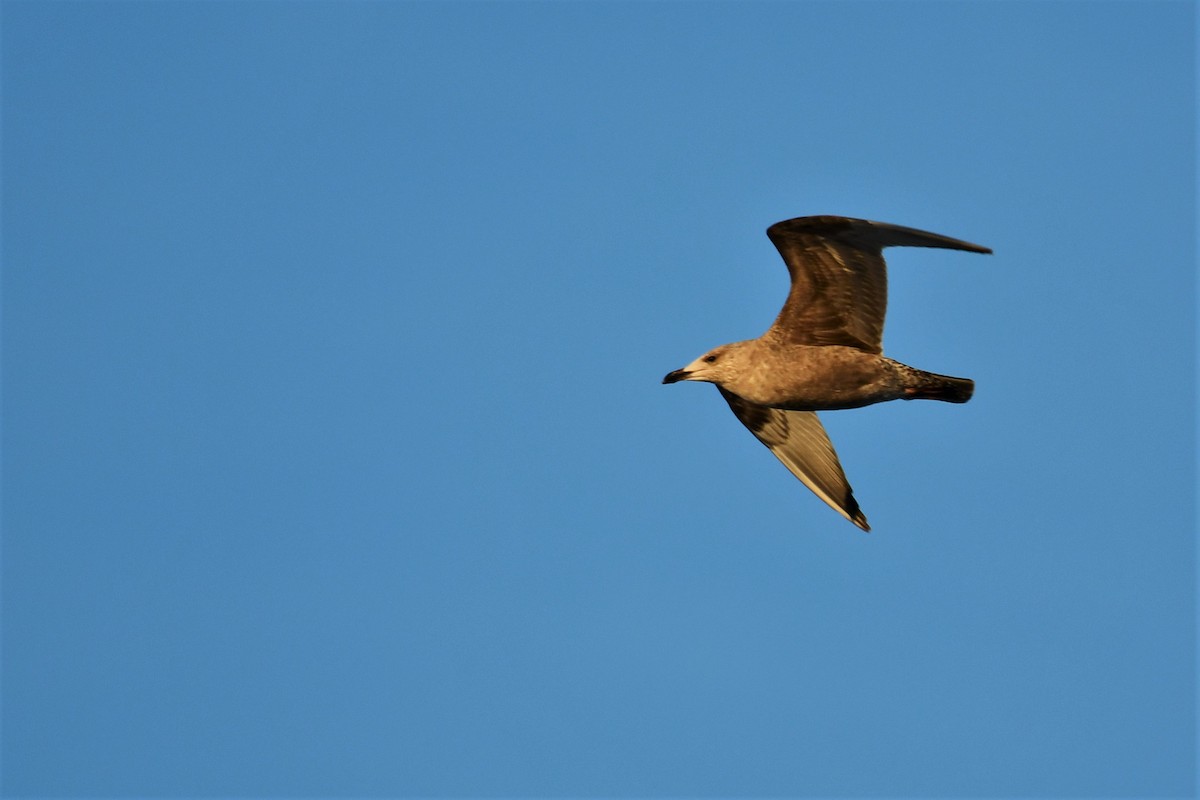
{"x": 839, "y": 280}
{"x": 798, "y": 439}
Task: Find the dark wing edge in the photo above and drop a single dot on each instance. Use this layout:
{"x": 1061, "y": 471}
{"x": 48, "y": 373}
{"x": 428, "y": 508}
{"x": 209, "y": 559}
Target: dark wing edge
{"x": 863, "y": 233}
{"x": 798, "y": 439}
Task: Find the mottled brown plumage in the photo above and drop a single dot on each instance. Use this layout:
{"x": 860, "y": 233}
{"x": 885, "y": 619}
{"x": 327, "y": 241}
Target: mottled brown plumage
{"x": 824, "y": 350}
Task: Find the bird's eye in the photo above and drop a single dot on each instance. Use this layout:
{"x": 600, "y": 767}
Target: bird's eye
{"x": 709, "y": 359}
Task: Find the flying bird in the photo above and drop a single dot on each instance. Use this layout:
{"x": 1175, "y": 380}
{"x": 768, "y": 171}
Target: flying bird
{"x": 825, "y": 349}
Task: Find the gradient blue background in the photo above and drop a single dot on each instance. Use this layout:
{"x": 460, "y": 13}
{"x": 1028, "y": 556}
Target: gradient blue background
{"x": 336, "y": 461}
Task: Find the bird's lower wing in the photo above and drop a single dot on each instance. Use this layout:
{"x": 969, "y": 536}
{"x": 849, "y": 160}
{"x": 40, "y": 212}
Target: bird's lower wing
{"x": 798, "y": 439}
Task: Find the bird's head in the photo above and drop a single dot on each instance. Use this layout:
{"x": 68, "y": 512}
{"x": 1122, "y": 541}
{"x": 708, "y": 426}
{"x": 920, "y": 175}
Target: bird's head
{"x": 715, "y": 366}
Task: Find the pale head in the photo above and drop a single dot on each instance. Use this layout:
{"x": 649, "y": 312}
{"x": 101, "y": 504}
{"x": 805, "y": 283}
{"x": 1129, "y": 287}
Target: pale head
{"x": 719, "y": 365}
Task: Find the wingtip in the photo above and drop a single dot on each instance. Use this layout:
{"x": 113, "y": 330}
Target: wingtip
{"x": 855, "y": 514}
{"x": 879, "y": 234}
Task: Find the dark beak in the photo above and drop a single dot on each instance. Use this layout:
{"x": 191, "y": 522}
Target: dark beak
{"x": 676, "y": 376}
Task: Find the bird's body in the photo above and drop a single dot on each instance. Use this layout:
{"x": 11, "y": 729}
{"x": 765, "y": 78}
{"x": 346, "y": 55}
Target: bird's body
{"x": 825, "y": 350}
{"x": 801, "y": 377}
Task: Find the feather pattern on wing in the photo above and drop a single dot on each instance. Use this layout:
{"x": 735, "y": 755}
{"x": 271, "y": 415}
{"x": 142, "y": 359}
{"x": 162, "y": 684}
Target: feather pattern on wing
{"x": 798, "y": 439}
{"x": 838, "y": 294}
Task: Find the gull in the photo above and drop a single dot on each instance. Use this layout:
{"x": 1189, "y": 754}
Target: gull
{"x": 825, "y": 349}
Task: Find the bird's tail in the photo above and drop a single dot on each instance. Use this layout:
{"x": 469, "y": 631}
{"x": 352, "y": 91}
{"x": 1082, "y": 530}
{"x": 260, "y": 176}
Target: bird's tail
{"x": 921, "y": 385}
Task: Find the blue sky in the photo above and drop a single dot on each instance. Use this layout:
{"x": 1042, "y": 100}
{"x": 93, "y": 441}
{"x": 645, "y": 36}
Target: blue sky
{"x": 336, "y": 461}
